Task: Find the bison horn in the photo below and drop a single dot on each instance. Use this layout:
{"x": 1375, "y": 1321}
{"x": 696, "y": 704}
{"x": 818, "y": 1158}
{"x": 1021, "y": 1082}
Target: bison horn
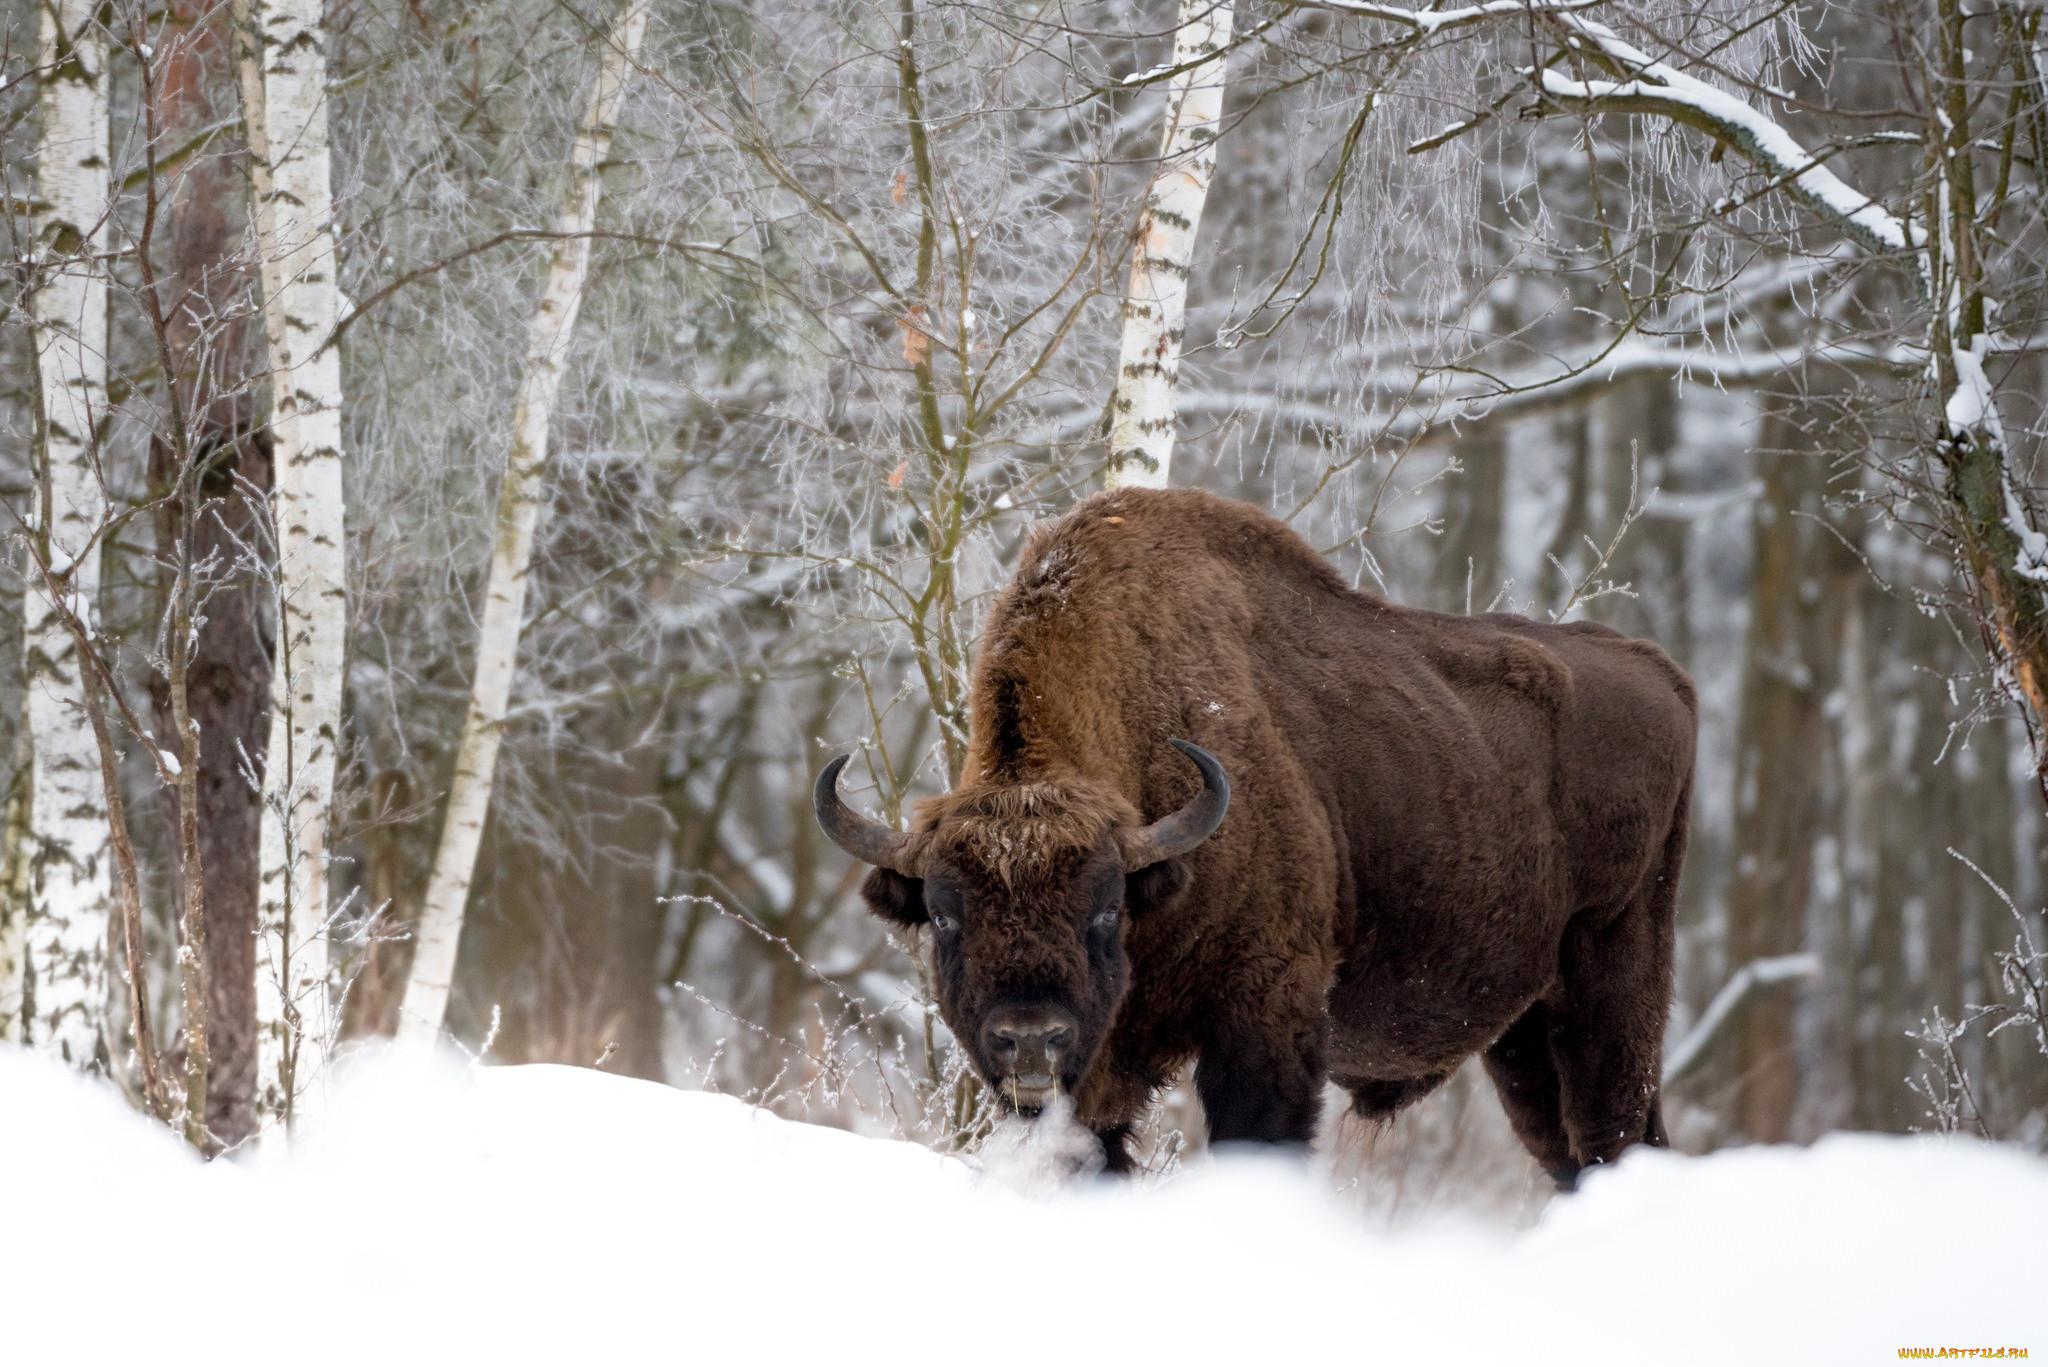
{"x": 868, "y": 841}
{"x": 1172, "y": 836}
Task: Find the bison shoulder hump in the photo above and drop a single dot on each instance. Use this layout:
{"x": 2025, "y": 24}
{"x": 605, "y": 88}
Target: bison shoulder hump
{"x": 1536, "y": 672}
{"x": 1680, "y": 682}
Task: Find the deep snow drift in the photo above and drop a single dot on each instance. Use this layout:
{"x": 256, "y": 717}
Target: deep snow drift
{"x": 545, "y": 1214}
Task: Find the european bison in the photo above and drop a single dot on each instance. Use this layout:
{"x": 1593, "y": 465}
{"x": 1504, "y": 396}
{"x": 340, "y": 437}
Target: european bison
{"x": 1446, "y": 835}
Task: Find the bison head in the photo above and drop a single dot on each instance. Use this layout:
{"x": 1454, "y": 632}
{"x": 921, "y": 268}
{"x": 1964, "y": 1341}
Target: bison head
{"x": 1026, "y": 887}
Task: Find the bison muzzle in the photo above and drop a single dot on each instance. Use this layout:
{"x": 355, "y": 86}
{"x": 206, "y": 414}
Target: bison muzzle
{"x": 1451, "y": 836}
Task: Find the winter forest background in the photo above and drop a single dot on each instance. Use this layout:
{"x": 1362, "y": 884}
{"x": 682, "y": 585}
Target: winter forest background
{"x": 1721, "y": 324}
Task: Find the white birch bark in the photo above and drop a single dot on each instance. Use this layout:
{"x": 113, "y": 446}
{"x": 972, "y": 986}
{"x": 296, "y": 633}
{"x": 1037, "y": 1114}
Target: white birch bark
{"x": 547, "y": 345}
{"x": 285, "y": 98}
{"x": 65, "y": 947}
{"x": 1155, "y": 314}
{"x": 15, "y": 892}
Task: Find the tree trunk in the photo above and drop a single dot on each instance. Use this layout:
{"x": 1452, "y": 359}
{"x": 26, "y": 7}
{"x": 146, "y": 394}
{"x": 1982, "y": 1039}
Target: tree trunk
{"x": 284, "y": 80}
{"x": 582, "y": 957}
{"x": 2007, "y": 559}
{"x": 1802, "y": 573}
{"x": 1895, "y": 981}
{"x": 228, "y": 683}
{"x": 15, "y": 890}
{"x": 1144, "y": 420}
{"x": 547, "y": 347}
{"x": 1638, "y": 431}
{"x": 1567, "y": 556}
{"x": 2006, "y": 556}
{"x": 1467, "y": 574}
{"x": 65, "y": 976}
{"x": 379, "y": 986}
{"x": 228, "y": 695}
{"x": 1860, "y": 981}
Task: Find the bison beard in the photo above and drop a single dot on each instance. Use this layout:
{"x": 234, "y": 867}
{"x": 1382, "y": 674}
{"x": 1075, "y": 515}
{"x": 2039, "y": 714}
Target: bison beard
{"x": 1451, "y": 835}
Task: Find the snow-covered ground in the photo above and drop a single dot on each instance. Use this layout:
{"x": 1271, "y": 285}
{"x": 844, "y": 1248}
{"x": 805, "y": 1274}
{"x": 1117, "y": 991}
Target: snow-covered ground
{"x": 545, "y": 1214}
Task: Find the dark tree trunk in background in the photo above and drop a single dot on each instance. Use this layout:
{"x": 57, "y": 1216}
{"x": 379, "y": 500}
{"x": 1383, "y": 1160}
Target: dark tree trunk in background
{"x": 230, "y": 699}
{"x": 1802, "y": 573}
{"x": 1468, "y": 562}
{"x": 611, "y": 950}
{"x": 1471, "y": 561}
{"x": 1552, "y": 584}
{"x": 1909, "y": 839}
{"x": 1638, "y": 428}
{"x": 564, "y": 928}
{"x": 229, "y": 683}
{"x": 567, "y": 939}
{"x": 391, "y": 883}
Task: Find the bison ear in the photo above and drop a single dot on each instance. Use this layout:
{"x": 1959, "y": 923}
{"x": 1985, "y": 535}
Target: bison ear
{"x": 894, "y": 897}
{"x": 1155, "y": 885}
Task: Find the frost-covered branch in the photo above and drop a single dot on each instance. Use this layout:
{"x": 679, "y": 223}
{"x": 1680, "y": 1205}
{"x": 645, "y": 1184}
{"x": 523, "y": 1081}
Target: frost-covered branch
{"x": 1644, "y": 85}
{"x": 1996, "y": 532}
{"x": 1417, "y": 403}
{"x": 1428, "y": 23}
{"x": 1760, "y": 973}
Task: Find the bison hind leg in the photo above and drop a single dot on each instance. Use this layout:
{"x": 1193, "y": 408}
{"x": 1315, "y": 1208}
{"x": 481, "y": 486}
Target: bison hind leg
{"x": 1524, "y": 1073}
{"x": 1379, "y": 1099}
{"x": 1609, "y": 1035}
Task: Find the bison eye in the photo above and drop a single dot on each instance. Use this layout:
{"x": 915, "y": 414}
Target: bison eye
{"x": 943, "y": 923}
{"x": 1104, "y": 919}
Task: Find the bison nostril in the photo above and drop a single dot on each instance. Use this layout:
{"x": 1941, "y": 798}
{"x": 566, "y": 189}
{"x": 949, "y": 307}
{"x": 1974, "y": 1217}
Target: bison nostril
{"x": 1029, "y": 1045}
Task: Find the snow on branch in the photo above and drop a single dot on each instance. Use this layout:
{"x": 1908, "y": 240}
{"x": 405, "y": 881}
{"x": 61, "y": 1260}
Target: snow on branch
{"x": 1446, "y": 399}
{"x": 1648, "y": 86}
{"x": 1751, "y": 976}
{"x": 1970, "y": 412}
{"x": 1430, "y": 22}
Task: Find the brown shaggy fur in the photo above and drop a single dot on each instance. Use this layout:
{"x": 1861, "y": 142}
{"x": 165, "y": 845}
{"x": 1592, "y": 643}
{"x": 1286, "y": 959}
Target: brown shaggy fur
{"x": 1448, "y": 836}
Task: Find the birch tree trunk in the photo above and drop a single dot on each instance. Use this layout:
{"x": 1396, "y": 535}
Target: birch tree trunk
{"x": 547, "y": 344}
{"x": 284, "y": 80}
{"x": 1155, "y": 315}
{"x": 15, "y": 889}
{"x": 66, "y": 940}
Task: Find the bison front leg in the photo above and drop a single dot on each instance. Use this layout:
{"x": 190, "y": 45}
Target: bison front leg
{"x": 1109, "y": 1102}
{"x": 1263, "y": 1086}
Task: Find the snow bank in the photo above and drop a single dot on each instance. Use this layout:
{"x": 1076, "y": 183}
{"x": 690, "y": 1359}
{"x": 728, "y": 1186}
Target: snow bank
{"x": 543, "y": 1214}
